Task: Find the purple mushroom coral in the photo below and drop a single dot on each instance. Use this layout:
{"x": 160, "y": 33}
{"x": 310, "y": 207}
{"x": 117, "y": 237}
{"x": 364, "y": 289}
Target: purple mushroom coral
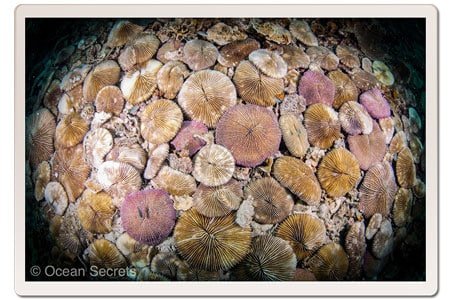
{"x": 186, "y": 140}
{"x": 316, "y": 88}
{"x": 375, "y": 103}
{"x": 148, "y": 216}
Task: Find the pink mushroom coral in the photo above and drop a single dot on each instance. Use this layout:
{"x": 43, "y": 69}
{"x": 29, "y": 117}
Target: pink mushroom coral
{"x": 375, "y": 103}
{"x": 186, "y": 140}
{"x": 148, "y": 216}
{"x": 316, "y": 88}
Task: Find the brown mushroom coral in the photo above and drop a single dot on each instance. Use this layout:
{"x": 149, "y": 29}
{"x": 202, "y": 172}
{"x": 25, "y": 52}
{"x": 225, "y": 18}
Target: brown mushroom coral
{"x": 138, "y": 51}
{"x": 271, "y": 201}
{"x": 398, "y": 142}
{"x": 231, "y": 54}
{"x": 255, "y": 87}
{"x": 368, "y": 148}
{"x": 118, "y": 179}
{"x": 405, "y": 168}
{"x": 304, "y": 233}
{"x": 222, "y": 34}
{"x": 211, "y": 243}
{"x": 338, "y": 172}
{"x": 294, "y": 133}
{"x": 219, "y": 200}
{"x": 110, "y": 100}
{"x": 56, "y": 196}
{"x": 133, "y": 155}
{"x": 299, "y": 178}
{"x": 171, "y": 77}
{"x": 175, "y": 182}
{"x": 122, "y": 33}
{"x": 170, "y": 51}
{"x": 155, "y": 160}
{"x": 274, "y": 32}
{"x": 363, "y": 79}
{"x": 270, "y": 259}
{"x": 401, "y": 211}
{"x": 205, "y": 96}
{"x": 70, "y": 130}
{"x": 214, "y": 165}
{"x": 71, "y": 170}
{"x": 323, "y": 57}
{"x": 346, "y": 90}
{"x": 74, "y": 77}
{"x": 52, "y": 95}
{"x": 40, "y": 130}
{"x": 199, "y": 54}
{"x": 140, "y": 85}
{"x": 348, "y": 56}
{"x": 269, "y": 63}
{"x": 250, "y": 132}
{"x": 160, "y": 121}
{"x": 96, "y": 211}
{"x": 355, "y": 119}
{"x": 355, "y": 246}
{"x": 97, "y": 143}
{"x": 41, "y": 178}
{"x": 295, "y": 57}
{"x": 302, "y": 32}
{"x": 383, "y": 241}
{"x": 104, "y": 254}
{"x": 105, "y": 73}
{"x": 378, "y": 190}
{"x": 322, "y": 125}
{"x": 329, "y": 263}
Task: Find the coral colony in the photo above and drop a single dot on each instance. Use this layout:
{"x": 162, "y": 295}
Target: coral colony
{"x": 246, "y": 150}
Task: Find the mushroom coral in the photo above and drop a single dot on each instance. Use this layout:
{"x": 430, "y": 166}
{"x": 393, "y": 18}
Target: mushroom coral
{"x": 269, "y": 63}
{"x": 96, "y": 211}
{"x": 199, "y": 54}
{"x": 302, "y": 32}
{"x": 170, "y": 78}
{"x": 213, "y": 165}
{"x": 138, "y": 51}
{"x": 104, "y": 74}
{"x": 322, "y": 125}
{"x": 375, "y": 103}
{"x": 405, "y": 168}
{"x": 40, "y": 131}
{"x": 205, "y": 95}
{"x": 231, "y": 54}
{"x": 316, "y": 88}
{"x": 250, "y": 132}
{"x": 211, "y": 243}
{"x": 122, "y": 32}
{"x": 329, "y": 263}
{"x": 104, "y": 254}
{"x": 110, "y": 100}
{"x": 294, "y": 133}
{"x": 175, "y": 182}
{"x": 187, "y": 137}
{"x": 345, "y": 89}
{"x": 355, "y": 119}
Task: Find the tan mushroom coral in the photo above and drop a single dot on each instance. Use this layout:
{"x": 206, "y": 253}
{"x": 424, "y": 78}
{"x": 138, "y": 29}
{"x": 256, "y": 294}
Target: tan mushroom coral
{"x": 231, "y": 54}
{"x": 155, "y": 160}
{"x": 269, "y": 63}
{"x": 219, "y": 200}
{"x": 222, "y": 34}
{"x": 40, "y": 130}
{"x": 355, "y": 119}
{"x": 110, "y": 100}
{"x": 363, "y": 79}
{"x": 271, "y": 201}
{"x": 348, "y": 56}
{"x": 175, "y": 182}
{"x": 322, "y": 125}
{"x": 104, "y": 254}
{"x": 118, "y": 180}
{"x": 329, "y": 263}
{"x": 96, "y": 211}
{"x": 206, "y": 95}
{"x": 346, "y": 90}
{"x": 304, "y": 233}
{"x": 250, "y": 132}
{"x": 294, "y": 133}
{"x": 295, "y": 57}
{"x": 299, "y": 178}
{"x": 401, "y": 211}
{"x": 96, "y": 144}
{"x": 104, "y": 74}
{"x": 270, "y": 259}
{"x": 169, "y": 265}
{"x": 171, "y": 77}
{"x": 71, "y": 170}
{"x": 368, "y": 148}
{"x": 338, "y": 172}
{"x": 398, "y": 142}
{"x": 255, "y": 87}
{"x": 138, "y": 51}
{"x": 405, "y": 168}
{"x": 70, "y": 130}
{"x": 274, "y": 32}
{"x": 56, "y": 196}
{"x": 122, "y": 33}
{"x": 302, "y": 32}
{"x": 323, "y": 57}
{"x": 52, "y": 95}
{"x": 214, "y": 165}
{"x": 378, "y": 190}
{"x": 140, "y": 85}
{"x": 199, "y": 54}
{"x": 211, "y": 243}
{"x": 133, "y": 155}
{"x": 160, "y": 121}
{"x": 74, "y": 78}
{"x": 41, "y": 178}
{"x": 170, "y": 51}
